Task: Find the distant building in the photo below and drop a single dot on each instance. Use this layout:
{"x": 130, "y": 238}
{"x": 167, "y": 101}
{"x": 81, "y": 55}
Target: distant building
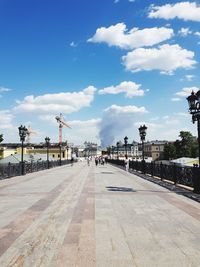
{"x": 55, "y": 151}
{"x": 154, "y": 149}
{"x": 90, "y": 149}
{"x": 6, "y": 151}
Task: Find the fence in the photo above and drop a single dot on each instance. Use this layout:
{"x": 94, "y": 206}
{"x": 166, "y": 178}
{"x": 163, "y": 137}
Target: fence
{"x": 15, "y": 169}
{"x": 189, "y": 176}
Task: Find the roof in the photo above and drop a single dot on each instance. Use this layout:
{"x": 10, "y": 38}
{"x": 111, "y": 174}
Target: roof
{"x": 16, "y": 158}
{"x": 185, "y": 161}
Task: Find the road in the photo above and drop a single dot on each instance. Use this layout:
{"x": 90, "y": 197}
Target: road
{"x": 95, "y": 216}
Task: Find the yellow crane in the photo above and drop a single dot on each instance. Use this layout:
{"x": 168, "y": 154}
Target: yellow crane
{"x": 62, "y": 123}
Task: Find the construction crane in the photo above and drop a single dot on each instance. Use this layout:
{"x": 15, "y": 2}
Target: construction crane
{"x": 62, "y": 124}
{"x": 30, "y": 132}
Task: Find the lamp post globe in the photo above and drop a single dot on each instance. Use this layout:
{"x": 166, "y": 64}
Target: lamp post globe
{"x": 22, "y": 134}
{"x": 47, "y": 140}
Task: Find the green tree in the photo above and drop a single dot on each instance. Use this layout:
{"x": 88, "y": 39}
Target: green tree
{"x": 187, "y": 144}
{"x": 169, "y": 151}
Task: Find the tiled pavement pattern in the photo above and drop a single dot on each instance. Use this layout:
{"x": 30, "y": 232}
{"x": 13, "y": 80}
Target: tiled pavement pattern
{"x": 95, "y": 216}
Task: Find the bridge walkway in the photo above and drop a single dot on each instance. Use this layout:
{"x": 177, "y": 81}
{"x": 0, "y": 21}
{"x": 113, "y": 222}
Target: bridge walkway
{"x": 95, "y": 216}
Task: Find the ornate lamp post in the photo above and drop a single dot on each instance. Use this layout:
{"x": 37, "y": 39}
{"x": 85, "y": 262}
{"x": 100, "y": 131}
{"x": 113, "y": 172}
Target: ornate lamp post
{"x": 142, "y": 132}
{"x": 194, "y": 110}
{"x": 117, "y": 144}
{"x": 60, "y": 152}
{"x": 47, "y": 140}
{"x": 125, "y": 144}
{"x": 112, "y": 151}
{"x": 67, "y": 149}
{"x": 22, "y": 134}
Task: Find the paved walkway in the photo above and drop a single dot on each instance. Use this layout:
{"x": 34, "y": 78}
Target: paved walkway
{"x": 95, "y": 216}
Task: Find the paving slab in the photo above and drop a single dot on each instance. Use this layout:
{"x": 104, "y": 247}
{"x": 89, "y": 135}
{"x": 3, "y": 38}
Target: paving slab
{"x": 95, "y": 216}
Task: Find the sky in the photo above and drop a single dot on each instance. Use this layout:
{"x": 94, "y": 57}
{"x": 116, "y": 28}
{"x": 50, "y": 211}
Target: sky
{"x": 108, "y": 66}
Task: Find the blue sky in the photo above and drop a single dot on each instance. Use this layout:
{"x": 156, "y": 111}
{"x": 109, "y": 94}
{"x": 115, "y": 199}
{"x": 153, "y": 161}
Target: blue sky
{"x": 108, "y": 66}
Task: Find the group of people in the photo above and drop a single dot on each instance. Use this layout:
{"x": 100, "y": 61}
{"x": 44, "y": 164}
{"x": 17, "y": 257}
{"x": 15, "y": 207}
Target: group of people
{"x": 100, "y": 160}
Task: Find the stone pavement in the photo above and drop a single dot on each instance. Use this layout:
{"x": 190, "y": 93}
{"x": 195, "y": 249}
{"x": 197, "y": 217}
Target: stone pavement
{"x": 95, "y": 216}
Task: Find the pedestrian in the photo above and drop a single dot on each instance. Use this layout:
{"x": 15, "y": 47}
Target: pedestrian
{"x": 126, "y": 164}
{"x": 72, "y": 161}
{"x": 88, "y": 161}
{"x": 96, "y": 161}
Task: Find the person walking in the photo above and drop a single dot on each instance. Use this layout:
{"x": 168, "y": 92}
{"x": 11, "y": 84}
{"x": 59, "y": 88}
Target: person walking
{"x": 126, "y": 164}
{"x": 88, "y": 161}
{"x": 96, "y": 161}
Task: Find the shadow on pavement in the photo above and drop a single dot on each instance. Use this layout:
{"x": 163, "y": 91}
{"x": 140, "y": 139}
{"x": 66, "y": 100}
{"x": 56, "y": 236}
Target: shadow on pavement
{"x": 120, "y": 189}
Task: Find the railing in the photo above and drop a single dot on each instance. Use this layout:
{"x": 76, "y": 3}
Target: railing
{"x": 15, "y": 169}
{"x": 189, "y": 176}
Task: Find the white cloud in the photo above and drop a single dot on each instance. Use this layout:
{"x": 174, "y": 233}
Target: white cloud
{"x": 166, "y": 58}
{"x": 189, "y": 77}
{"x": 186, "y": 91}
{"x": 117, "y": 1}
{"x": 87, "y": 123}
{"x": 197, "y": 34}
{"x": 54, "y": 103}
{"x": 129, "y": 88}
{"x": 183, "y": 10}
{"x": 118, "y": 35}
{"x": 4, "y": 89}
{"x": 168, "y": 127}
{"x": 175, "y": 99}
{"x": 184, "y": 32}
{"x": 82, "y": 131}
{"x": 125, "y": 109}
{"x": 72, "y": 44}
{"x": 155, "y": 118}
{"x": 6, "y": 119}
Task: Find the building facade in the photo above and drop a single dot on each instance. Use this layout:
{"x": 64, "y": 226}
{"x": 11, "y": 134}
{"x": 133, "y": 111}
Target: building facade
{"x": 154, "y": 149}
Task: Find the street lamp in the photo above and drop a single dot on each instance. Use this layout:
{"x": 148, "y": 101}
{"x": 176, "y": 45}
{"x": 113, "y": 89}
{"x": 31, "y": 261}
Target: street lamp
{"x": 47, "y": 140}
{"x": 117, "y": 144}
{"x": 125, "y": 144}
{"x": 60, "y": 152}
{"x": 142, "y": 132}
{"x": 22, "y": 134}
{"x": 67, "y": 149}
{"x": 194, "y": 110}
{"x": 112, "y": 151}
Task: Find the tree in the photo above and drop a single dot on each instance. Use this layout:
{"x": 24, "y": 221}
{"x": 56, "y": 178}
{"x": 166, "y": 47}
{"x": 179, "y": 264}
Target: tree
{"x": 187, "y": 144}
{"x": 186, "y": 147}
{"x": 169, "y": 151}
{"x": 1, "y": 138}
